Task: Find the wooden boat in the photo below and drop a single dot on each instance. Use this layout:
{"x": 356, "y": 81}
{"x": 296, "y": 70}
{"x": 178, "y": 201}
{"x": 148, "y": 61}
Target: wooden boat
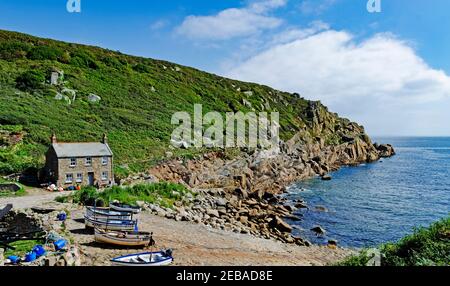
{"x": 110, "y": 224}
{"x": 160, "y": 258}
{"x": 125, "y": 208}
{"x": 123, "y": 238}
{"x": 107, "y": 213}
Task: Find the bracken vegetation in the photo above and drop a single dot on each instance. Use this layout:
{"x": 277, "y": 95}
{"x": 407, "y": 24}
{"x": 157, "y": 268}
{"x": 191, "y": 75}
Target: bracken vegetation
{"x": 138, "y": 98}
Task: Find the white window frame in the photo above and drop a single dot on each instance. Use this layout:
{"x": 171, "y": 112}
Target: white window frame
{"x": 79, "y": 178}
{"x": 105, "y": 176}
{"x": 73, "y": 164}
{"x": 86, "y": 161}
{"x": 69, "y": 181}
{"x": 104, "y": 160}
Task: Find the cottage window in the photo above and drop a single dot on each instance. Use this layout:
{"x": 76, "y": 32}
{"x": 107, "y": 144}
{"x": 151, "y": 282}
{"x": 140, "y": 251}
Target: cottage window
{"x": 88, "y": 161}
{"x": 73, "y": 162}
{"x": 104, "y": 176}
{"x": 105, "y": 161}
{"x": 79, "y": 178}
{"x": 69, "y": 178}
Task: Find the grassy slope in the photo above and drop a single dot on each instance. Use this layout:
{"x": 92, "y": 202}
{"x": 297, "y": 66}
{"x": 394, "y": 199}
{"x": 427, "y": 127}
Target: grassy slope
{"x": 136, "y": 118}
{"x": 425, "y": 247}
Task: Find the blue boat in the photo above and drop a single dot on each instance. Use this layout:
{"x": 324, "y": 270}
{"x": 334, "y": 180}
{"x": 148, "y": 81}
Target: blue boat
{"x": 110, "y": 224}
{"x": 100, "y": 213}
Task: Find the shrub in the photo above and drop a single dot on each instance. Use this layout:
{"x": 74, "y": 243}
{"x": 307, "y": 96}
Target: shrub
{"x": 85, "y": 196}
{"x": 425, "y": 247}
{"x": 30, "y": 80}
{"x": 45, "y": 53}
{"x": 163, "y": 193}
{"x": 13, "y": 50}
{"x": 141, "y": 68}
{"x": 356, "y": 260}
{"x": 83, "y": 59}
{"x": 111, "y": 61}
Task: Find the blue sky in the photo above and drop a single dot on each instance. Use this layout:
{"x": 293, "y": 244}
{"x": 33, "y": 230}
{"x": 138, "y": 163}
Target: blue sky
{"x": 387, "y": 70}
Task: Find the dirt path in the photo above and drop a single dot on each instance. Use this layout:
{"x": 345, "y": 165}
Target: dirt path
{"x": 34, "y": 197}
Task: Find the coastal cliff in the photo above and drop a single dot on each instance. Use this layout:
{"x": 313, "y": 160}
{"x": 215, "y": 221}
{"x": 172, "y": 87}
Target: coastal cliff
{"x": 242, "y": 191}
{"x": 308, "y": 153}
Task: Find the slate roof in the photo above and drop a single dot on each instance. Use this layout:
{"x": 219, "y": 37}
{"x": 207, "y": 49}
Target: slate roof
{"x": 91, "y": 149}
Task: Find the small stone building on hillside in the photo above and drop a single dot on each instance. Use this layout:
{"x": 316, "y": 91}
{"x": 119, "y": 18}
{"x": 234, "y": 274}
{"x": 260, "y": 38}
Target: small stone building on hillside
{"x": 84, "y": 164}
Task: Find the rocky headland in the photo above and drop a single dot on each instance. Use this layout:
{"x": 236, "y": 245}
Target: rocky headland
{"x": 242, "y": 193}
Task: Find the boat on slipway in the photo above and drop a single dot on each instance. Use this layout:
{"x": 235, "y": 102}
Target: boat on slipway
{"x": 122, "y": 238}
{"x": 124, "y": 208}
{"x": 110, "y": 224}
{"x": 103, "y": 213}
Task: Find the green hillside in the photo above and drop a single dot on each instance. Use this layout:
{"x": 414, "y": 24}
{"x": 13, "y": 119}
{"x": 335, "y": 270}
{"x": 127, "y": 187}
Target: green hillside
{"x": 425, "y": 247}
{"x": 138, "y": 98}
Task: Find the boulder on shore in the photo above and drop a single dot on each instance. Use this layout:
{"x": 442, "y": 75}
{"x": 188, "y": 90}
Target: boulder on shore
{"x": 332, "y": 243}
{"x": 318, "y": 230}
{"x": 280, "y": 224}
{"x": 385, "y": 150}
{"x": 326, "y": 178}
{"x": 321, "y": 209}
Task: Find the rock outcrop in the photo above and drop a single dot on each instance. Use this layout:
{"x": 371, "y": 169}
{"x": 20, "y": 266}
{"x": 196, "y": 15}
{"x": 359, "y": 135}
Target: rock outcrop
{"x": 251, "y": 181}
{"x": 328, "y": 143}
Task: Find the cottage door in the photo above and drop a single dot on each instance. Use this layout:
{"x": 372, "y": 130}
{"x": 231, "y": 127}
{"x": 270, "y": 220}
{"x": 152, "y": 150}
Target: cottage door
{"x": 91, "y": 178}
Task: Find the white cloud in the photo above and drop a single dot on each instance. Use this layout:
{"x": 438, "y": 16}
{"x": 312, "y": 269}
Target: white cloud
{"x": 158, "y": 25}
{"x": 315, "y": 6}
{"x": 233, "y": 22}
{"x": 266, "y": 5}
{"x": 292, "y": 34}
{"x": 380, "y": 82}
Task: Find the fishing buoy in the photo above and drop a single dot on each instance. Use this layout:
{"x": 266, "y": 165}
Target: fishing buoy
{"x": 13, "y": 259}
{"x": 30, "y": 257}
{"x": 59, "y": 244}
{"x": 39, "y": 250}
{"x": 62, "y": 216}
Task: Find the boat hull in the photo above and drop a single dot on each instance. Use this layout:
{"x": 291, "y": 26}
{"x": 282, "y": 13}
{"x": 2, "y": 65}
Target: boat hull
{"x": 104, "y": 213}
{"x": 125, "y": 209}
{"x": 147, "y": 259}
{"x": 122, "y": 239}
{"x": 110, "y": 224}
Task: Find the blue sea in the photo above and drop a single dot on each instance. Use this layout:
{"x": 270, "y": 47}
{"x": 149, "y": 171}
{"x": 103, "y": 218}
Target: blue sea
{"x": 379, "y": 202}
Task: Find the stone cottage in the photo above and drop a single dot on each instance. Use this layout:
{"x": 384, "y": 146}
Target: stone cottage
{"x": 84, "y": 164}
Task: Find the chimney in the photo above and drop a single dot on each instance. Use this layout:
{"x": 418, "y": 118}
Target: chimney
{"x": 105, "y": 139}
{"x": 53, "y": 138}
